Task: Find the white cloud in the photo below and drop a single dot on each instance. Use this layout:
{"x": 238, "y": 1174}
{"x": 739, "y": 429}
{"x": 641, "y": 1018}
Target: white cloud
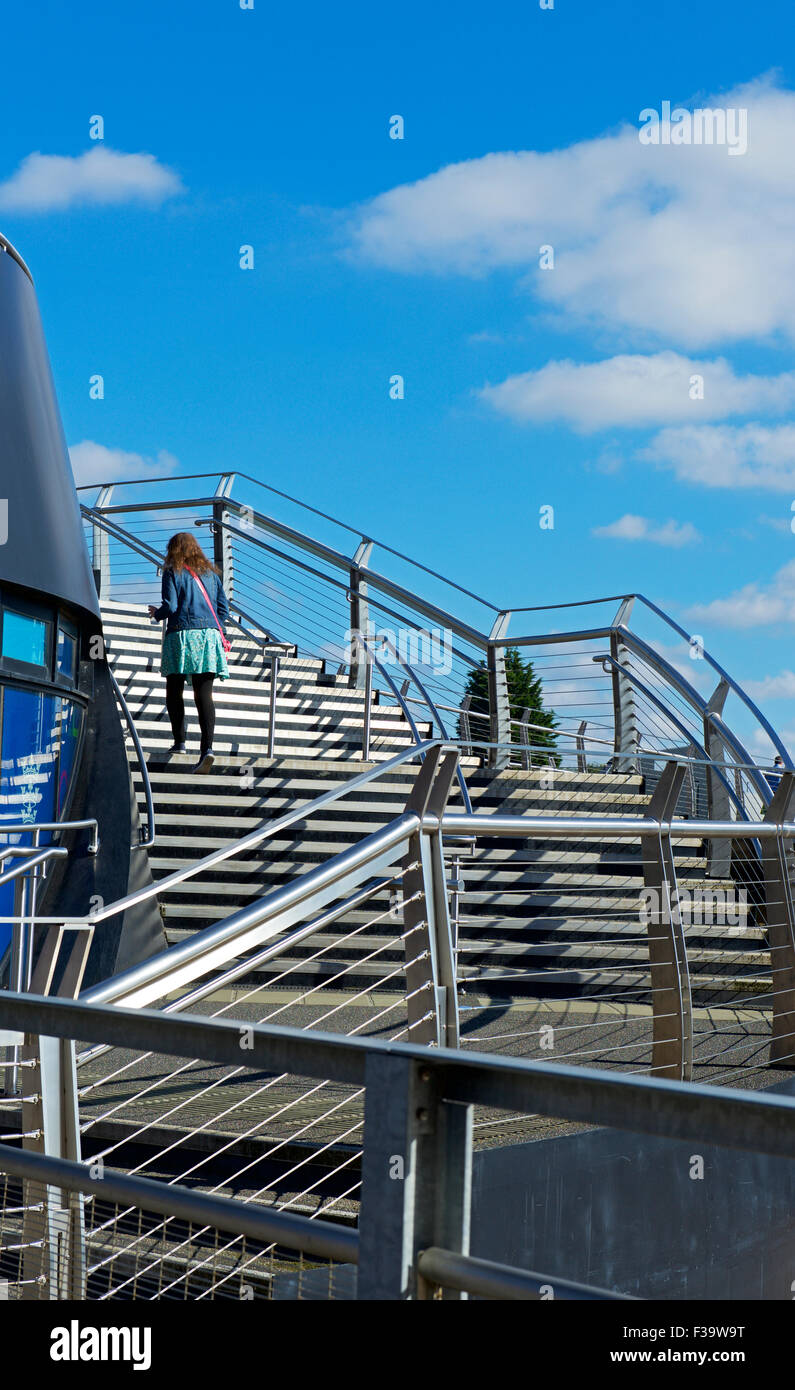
{"x": 632, "y": 390}
{"x": 682, "y": 242}
{"x": 101, "y": 176}
{"x": 639, "y": 528}
{"x": 780, "y": 687}
{"x": 94, "y": 463}
{"x": 754, "y": 605}
{"x": 733, "y": 456}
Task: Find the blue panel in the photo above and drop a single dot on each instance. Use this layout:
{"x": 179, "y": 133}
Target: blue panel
{"x": 24, "y": 638}
{"x": 27, "y": 773}
{"x": 71, "y": 723}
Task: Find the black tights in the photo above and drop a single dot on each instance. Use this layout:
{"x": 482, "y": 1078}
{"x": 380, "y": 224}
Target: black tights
{"x": 203, "y": 695}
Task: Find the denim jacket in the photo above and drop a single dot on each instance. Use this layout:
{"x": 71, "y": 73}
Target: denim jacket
{"x": 184, "y": 604}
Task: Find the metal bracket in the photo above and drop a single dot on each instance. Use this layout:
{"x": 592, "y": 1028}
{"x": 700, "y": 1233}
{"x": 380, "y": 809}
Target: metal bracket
{"x": 416, "y": 1177}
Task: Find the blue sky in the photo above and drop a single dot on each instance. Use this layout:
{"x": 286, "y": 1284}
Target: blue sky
{"x": 522, "y": 387}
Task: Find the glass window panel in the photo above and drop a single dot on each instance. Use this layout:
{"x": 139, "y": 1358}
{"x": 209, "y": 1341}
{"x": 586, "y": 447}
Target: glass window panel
{"x": 24, "y": 638}
{"x": 67, "y": 654}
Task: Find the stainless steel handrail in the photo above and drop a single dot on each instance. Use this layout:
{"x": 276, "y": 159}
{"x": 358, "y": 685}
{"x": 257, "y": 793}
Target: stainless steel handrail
{"x": 145, "y": 840}
{"x": 621, "y": 827}
{"x": 433, "y": 709}
{"x": 324, "y": 552}
{"x": 260, "y": 921}
{"x": 724, "y": 675}
{"x": 256, "y": 837}
{"x": 345, "y": 526}
{"x": 479, "y": 639}
{"x": 706, "y": 761}
{"x": 675, "y": 679}
{"x": 51, "y": 852}
{"x": 147, "y": 552}
{"x": 152, "y": 555}
{"x": 31, "y": 827}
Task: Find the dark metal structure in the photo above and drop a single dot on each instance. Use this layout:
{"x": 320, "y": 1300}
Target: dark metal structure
{"x": 44, "y": 550}
{"x": 62, "y": 752}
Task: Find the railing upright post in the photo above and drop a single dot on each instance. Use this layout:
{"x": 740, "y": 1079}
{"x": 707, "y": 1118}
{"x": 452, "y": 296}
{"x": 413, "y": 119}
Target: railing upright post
{"x": 718, "y": 799}
{"x": 672, "y": 1053}
{"x": 499, "y": 698}
{"x": 368, "y": 707}
{"x": 416, "y": 1177}
{"x": 359, "y": 615}
{"x": 780, "y": 915}
{"x": 272, "y": 706}
{"x": 100, "y": 546}
{"x": 625, "y": 719}
{"x": 431, "y": 986}
{"x": 223, "y": 554}
{"x": 465, "y": 726}
{"x": 524, "y": 739}
{"x": 579, "y": 743}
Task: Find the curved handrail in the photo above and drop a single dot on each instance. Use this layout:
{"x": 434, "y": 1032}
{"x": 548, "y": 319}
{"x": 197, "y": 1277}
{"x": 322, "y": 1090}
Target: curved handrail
{"x": 30, "y": 827}
{"x": 724, "y": 675}
{"x": 265, "y": 831}
{"x": 683, "y": 729}
{"x": 431, "y": 706}
{"x": 306, "y": 506}
{"x": 51, "y": 852}
{"x": 481, "y": 639}
{"x": 146, "y": 841}
{"x": 147, "y": 552}
{"x": 679, "y": 682}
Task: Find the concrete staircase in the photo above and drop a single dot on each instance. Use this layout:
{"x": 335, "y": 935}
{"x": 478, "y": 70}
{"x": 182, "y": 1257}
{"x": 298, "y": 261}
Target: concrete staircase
{"x": 545, "y": 918}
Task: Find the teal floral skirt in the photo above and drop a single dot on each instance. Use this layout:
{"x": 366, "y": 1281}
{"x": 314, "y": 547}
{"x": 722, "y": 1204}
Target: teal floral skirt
{"x": 194, "y": 652}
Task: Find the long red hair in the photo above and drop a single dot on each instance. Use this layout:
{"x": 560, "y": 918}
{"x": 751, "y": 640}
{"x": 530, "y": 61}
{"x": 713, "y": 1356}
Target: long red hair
{"x": 184, "y": 552}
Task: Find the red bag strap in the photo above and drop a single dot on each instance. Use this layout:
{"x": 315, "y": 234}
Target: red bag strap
{"x": 207, "y": 599}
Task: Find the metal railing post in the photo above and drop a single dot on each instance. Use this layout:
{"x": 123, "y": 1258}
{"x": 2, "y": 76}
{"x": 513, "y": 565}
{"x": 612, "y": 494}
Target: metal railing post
{"x": 777, "y": 871}
{"x": 672, "y": 1053}
{"x": 416, "y": 1177}
{"x": 100, "y": 546}
{"x": 579, "y": 744}
{"x": 718, "y": 799}
{"x": 465, "y": 725}
{"x": 359, "y": 614}
{"x": 50, "y": 1124}
{"x": 432, "y": 1000}
{"x": 625, "y": 719}
{"x": 223, "y": 555}
{"x": 499, "y": 699}
{"x": 368, "y": 706}
{"x": 524, "y": 739}
{"x": 272, "y": 706}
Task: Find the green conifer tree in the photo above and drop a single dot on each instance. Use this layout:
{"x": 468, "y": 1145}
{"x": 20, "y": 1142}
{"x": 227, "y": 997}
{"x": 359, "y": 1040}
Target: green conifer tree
{"x": 524, "y": 692}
